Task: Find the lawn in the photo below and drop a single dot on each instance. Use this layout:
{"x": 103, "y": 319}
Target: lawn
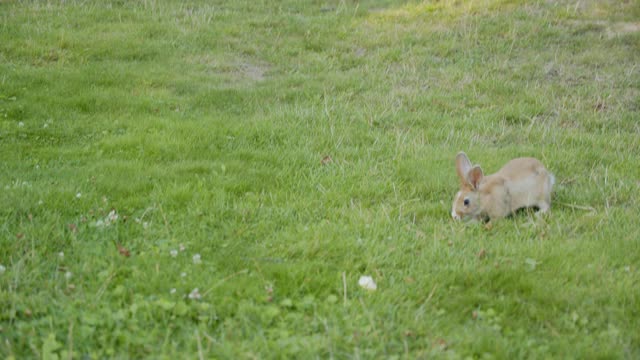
{"x": 210, "y": 179}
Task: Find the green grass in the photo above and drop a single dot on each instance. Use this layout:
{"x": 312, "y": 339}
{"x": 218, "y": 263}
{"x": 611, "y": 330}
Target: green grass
{"x": 203, "y": 125}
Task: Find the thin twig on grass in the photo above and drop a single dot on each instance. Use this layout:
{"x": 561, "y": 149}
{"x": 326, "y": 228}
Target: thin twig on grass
{"x": 326, "y": 328}
{"x": 200, "y": 355}
{"x": 243, "y": 271}
{"x": 166, "y": 223}
{"x": 144, "y": 213}
{"x": 104, "y": 286}
{"x": 70, "y": 336}
{"x": 578, "y": 207}
{"x": 433, "y": 290}
{"x": 344, "y": 287}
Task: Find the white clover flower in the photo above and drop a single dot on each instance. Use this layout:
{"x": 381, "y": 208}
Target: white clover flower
{"x": 183, "y": 274}
{"x": 112, "y": 217}
{"x": 367, "y": 282}
{"x": 61, "y": 255}
{"x": 172, "y": 291}
{"x": 195, "y": 294}
{"x": 196, "y": 259}
{"x": 68, "y": 275}
{"x": 78, "y": 195}
{"x": 20, "y": 124}
{"x": 2, "y": 269}
{"x": 182, "y": 247}
{"x": 173, "y": 253}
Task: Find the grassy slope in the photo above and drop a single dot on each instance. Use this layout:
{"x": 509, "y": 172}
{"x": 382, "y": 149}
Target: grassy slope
{"x": 205, "y": 123}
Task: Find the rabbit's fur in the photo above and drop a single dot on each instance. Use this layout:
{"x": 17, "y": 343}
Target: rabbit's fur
{"x": 520, "y": 183}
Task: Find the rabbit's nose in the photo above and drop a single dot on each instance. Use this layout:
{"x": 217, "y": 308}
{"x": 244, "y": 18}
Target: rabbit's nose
{"x": 455, "y": 215}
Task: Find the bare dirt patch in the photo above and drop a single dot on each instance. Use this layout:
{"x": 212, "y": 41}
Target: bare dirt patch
{"x": 623, "y": 28}
{"x": 610, "y": 29}
{"x": 251, "y": 71}
{"x": 238, "y": 70}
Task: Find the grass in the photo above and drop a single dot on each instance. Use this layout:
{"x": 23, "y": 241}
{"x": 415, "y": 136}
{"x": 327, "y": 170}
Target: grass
{"x": 293, "y": 147}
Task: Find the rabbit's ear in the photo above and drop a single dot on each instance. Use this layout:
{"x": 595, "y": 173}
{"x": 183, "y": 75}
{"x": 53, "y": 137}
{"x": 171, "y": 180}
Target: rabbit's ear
{"x": 474, "y": 176}
{"x": 463, "y": 165}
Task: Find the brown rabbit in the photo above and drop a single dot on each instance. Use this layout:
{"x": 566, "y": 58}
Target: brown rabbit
{"x": 521, "y": 183}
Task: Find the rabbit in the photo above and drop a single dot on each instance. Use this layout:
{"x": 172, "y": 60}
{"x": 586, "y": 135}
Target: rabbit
{"x": 521, "y": 183}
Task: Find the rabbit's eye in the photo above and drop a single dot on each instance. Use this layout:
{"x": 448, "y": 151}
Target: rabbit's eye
{"x": 466, "y": 202}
